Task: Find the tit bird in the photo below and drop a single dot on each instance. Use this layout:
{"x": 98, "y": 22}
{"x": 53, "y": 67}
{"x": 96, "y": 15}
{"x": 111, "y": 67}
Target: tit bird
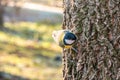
{"x": 64, "y": 38}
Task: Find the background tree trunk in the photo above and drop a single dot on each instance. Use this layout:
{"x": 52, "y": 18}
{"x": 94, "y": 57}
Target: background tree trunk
{"x": 1, "y": 14}
{"x": 97, "y": 26}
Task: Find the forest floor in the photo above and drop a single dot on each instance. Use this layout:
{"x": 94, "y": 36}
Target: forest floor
{"x": 33, "y": 13}
{"x": 27, "y": 50}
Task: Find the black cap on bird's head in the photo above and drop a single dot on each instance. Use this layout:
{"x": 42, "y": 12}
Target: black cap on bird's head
{"x": 69, "y": 38}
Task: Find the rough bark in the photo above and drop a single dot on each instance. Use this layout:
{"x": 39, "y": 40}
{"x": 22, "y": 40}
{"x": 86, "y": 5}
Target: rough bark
{"x": 97, "y": 26}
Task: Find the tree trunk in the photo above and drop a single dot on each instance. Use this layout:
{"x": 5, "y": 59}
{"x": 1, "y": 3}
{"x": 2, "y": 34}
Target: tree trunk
{"x": 97, "y": 26}
{"x": 1, "y": 14}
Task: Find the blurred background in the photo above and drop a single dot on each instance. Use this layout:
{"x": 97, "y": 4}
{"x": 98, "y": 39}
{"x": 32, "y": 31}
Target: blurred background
{"x": 27, "y": 50}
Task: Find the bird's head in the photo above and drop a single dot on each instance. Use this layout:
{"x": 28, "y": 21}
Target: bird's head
{"x": 64, "y": 38}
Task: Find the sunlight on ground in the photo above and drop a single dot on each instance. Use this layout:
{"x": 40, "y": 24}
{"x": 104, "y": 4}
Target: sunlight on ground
{"x": 27, "y": 49}
{"x": 30, "y": 34}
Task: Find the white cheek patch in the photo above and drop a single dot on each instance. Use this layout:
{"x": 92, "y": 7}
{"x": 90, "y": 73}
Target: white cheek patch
{"x": 69, "y": 41}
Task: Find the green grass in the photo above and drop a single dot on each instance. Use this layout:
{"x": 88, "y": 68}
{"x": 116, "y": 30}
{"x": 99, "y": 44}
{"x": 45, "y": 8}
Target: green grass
{"x": 28, "y": 48}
